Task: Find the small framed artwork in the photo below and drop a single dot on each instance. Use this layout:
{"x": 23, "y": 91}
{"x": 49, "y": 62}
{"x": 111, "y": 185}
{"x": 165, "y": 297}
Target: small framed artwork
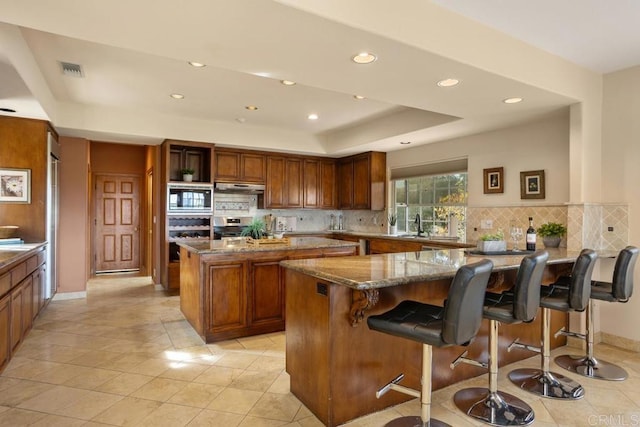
{"x": 493, "y": 180}
{"x": 532, "y": 185}
{"x": 15, "y": 185}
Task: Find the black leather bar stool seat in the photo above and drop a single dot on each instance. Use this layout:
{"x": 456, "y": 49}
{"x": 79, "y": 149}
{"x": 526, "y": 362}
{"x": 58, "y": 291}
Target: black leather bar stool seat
{"x": 542, "y": 381}
{"x": 519, "y": 305}
{"x": 457, "y": 323}
{"x": 619, "y": 290}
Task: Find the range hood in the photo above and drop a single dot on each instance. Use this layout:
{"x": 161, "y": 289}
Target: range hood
{"x": 239, "y": 188}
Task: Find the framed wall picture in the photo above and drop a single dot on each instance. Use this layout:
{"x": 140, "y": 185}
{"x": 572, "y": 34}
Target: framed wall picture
{"x": 532, "y": 185}
{"x": 493, "y": 180}
{"x": 15, "y": 185}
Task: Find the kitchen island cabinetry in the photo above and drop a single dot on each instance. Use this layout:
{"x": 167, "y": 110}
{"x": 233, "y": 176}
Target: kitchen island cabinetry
{"x": 240, "y": 166}
{"x": 238, "y": 290}
{"x": 362, "y": 181}
{"x": 22, "y": 275}
{"x": 327, "y": 304}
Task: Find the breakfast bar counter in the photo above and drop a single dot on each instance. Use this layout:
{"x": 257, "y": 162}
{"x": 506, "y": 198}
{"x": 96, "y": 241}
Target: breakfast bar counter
{"x": 336, "y": 363}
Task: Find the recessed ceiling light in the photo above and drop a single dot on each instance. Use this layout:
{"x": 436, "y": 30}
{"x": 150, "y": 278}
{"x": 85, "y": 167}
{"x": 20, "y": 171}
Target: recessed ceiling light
{"x": 312, "y": 116}
{"x": 405, "y": 142}
{"x": 7, "y": 110}
{"x": 251, "y": 107}
{"x": 359, "y": 97}
{"x": 287, "y": 82}
{"x": 364, "y": 58}
{"x": 448, "y": 82}
{"x": 177, "y": 96}
{"x": 514, "y": 100}
{"x": 197, "y": 64}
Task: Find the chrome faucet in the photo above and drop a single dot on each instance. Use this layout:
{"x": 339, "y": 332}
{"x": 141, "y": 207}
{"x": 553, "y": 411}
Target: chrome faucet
{"x": 419, "y": 224}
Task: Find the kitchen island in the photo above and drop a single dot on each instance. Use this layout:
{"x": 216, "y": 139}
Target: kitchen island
{"x": 336, "y": 363}
{"x": 231, "y": 289}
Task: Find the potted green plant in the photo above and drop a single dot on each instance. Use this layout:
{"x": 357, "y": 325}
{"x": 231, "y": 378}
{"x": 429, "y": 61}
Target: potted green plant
{"x": 255, "y": 229}
{"x": 187, "y": 174}
{"x": 393, "y": 223}
{"x": 492, "y": 242}
{"x": 551, "y": 233}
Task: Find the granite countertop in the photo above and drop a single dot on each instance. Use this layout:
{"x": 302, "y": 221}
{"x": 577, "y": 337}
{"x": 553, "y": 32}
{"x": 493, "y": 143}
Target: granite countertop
{"x": 440, "y": 240}
{"x": 12, "y": 253}
{"x": 380, "y": 271}
{"x": 225, "y": 247}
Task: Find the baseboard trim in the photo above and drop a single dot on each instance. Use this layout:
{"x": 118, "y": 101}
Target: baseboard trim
{"x": 620, "y": 342}
{"x": 69, "y": 295}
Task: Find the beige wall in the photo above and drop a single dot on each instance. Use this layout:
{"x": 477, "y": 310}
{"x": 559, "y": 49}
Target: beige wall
{"x": 74, "y": 215}
{"x": 621, "y": 173}
{"x": 540, "y": 145}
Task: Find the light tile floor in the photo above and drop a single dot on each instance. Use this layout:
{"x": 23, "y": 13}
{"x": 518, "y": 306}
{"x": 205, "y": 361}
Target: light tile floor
{"x": 125, "y": 356}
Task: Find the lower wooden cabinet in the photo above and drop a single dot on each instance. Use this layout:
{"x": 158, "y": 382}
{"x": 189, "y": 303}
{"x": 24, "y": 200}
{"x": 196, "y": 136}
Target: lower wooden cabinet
{"x": 240, "y": 295}
{"x": 21, "y": 299}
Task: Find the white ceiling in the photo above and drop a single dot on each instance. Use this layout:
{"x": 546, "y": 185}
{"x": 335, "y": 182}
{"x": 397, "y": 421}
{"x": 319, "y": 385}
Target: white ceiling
{"x": 134, "y": 55}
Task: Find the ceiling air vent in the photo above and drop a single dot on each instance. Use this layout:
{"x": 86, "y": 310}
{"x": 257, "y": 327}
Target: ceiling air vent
{"x": 69, "y": 69}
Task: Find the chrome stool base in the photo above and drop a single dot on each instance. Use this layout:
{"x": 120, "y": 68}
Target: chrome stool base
{"x": 547, "y": 384}
{"x": 497, "y": 409}
{"x": 592, "y": 368}
{"x": 415, "y": 422}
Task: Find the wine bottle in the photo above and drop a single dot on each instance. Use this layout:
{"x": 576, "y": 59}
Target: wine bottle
{"x": 531, "y": 236}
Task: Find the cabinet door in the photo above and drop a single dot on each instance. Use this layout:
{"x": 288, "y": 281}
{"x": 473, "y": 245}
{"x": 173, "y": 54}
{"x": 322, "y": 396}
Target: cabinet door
{"x": 252, "y": 167}
{"x": 38, "y": 286}
{"x": 5, "y": 330}
{"x": 293, "y": 183}
{"x": 275, "y": 188}
{"x": 27, "y": 305}
{"x": 266, "y": 292}
{"x": 16, "y": 317}
{"x": 312, "y": 187}
{"x": 227, "y": 308}
{"x": 227, "y": 165}
{"x": 328, "y": 196}
{"x": 345, "y": 184}
{"x": 361, "y": 182}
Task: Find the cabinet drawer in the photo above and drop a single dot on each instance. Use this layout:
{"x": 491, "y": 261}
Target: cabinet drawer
{"x": 32, "y": 264}
{"x": 18, "y": 273}
{"x": 5, "y": 284}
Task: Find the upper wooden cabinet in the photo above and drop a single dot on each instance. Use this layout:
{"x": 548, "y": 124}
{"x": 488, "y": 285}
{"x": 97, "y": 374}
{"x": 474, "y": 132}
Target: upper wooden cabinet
{"x": 238, "y": 166}
{"x": 320, "y": 184}
{"x": 362, "y": 181}
{"x": 284, "y": 187}
{"x": 186, "y": 154}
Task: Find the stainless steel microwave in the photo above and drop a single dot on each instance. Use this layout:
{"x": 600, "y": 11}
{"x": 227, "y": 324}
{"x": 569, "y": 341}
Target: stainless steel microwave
{"x": 189, "y": 198}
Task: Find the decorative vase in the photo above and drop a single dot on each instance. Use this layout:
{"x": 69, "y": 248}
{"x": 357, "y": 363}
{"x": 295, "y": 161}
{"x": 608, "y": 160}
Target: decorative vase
{"x": 393, "y": 229}
{"x": 551, "y": 241}
{"x": 187, "y": 177}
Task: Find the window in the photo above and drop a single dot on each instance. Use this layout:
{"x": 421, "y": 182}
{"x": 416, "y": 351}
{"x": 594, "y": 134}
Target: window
{"x": 436, "y": 198}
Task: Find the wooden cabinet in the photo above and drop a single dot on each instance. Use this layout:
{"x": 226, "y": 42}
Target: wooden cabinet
{"x": 184, "y": 154}
{"x": 227, "y": 286}
{"x": 239, "y": 166}
{"x": 21, "y": 285}
{"x": 266, "y": 294}
{"x": 320, "y": 184}
{"x": 5, "y": 331}
{"x": 177, "y": 155}
{"x": 362, "y": 181}
{"x": 386, "y": 246}
{"x": 241, "y": 294}
{"x": 284, "y": 188}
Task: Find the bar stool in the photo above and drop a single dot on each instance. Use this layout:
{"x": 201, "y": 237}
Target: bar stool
{"x": 576, "y": 298}
{"x": 619, "y": 290}
{"x": 457, "y": 323}
{"x": 520, "y": 305}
